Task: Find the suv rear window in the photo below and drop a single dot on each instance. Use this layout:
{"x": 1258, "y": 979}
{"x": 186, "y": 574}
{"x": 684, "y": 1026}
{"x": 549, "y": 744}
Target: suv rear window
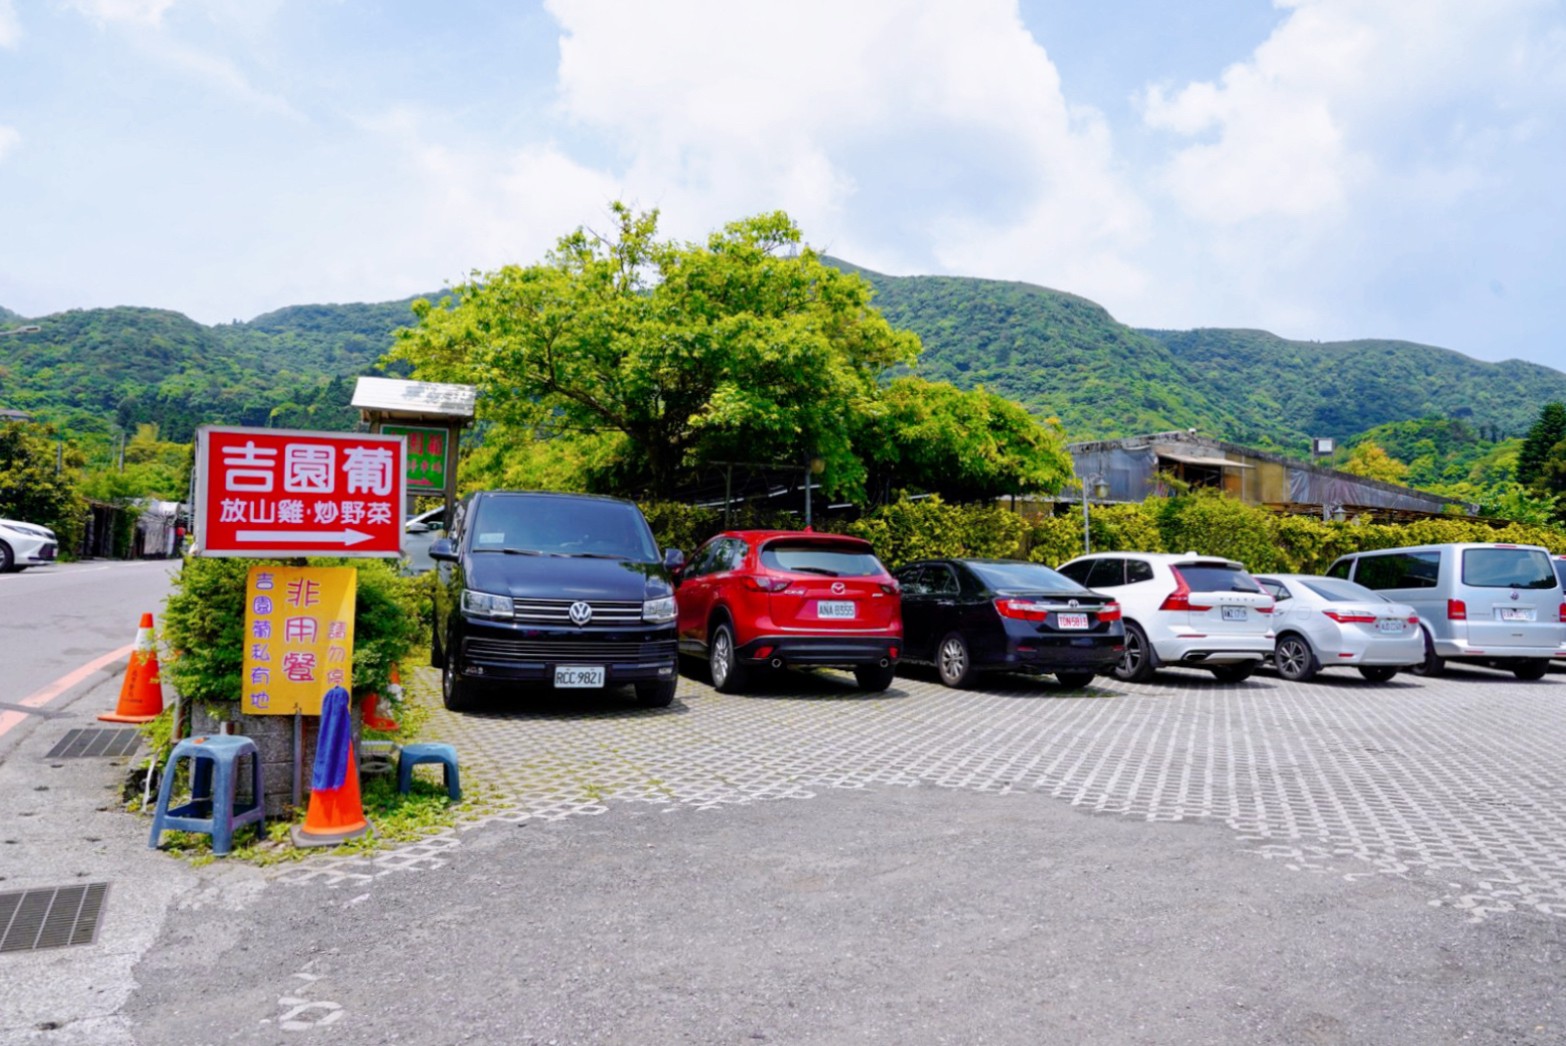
{"x": 1210, "y": 577}
{"x": 803, "y": 558}
{"x": 1507, "y": 568}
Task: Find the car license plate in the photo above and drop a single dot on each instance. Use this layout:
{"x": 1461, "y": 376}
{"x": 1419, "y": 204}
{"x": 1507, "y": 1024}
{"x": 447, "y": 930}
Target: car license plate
{"x": 1071, "y": 620}
{"x": 579, "y": 675}
{"x": 1389, "y": 624}
{"x": 836, "y": 608}
{"x": 1234, "y": 614}
{"x": 1516, "y": 613}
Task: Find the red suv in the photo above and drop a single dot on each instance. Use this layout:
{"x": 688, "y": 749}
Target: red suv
{"x": 750, "y": 599}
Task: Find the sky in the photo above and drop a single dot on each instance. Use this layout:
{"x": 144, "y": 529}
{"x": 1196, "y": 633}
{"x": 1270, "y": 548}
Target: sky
{"x": 1322, "y": 169}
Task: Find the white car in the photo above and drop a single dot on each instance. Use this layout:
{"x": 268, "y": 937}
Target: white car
{"x": 24, "y": 545}
{"x": 1182, "y": 609}
{"x": 1326, "y": 622}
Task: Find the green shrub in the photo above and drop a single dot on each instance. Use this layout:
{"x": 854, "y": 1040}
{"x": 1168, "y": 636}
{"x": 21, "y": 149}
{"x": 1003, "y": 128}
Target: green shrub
{"x": 1215, "y": 525}
{"x": 907, "y": 530}
{"x": 204, "y": 625}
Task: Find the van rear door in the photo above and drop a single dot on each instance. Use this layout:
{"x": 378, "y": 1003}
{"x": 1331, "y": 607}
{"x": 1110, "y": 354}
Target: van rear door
{"x": 1511, "y": 597}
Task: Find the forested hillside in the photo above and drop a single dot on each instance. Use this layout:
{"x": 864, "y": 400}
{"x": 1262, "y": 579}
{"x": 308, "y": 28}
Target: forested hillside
{"x": 1060, "y": 355}
{"x": 95, "y": 370}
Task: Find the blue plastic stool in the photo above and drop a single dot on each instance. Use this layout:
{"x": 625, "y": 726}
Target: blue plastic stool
{"x": 429, "y": 752}
{"x": 210, "y": 810}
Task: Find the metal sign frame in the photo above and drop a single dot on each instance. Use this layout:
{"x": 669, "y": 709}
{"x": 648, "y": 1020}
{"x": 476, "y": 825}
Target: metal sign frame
{"x": 289, "y": 542}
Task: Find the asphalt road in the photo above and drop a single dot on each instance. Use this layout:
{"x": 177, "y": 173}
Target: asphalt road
{"x": 1177, "y": 862}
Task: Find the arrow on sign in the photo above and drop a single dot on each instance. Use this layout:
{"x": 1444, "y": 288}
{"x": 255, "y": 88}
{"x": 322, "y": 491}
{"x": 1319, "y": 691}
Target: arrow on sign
{"x": 336, "y": 537}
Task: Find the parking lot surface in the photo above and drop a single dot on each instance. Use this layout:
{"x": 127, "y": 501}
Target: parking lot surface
{"x": 1455, "y": 783}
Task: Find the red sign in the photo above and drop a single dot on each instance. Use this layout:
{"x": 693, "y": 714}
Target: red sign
{"x": 264, "y": 493}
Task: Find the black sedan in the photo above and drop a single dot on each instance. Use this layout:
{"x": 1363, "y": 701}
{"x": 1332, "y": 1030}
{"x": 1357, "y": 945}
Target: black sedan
{"x": 967, "y": 616}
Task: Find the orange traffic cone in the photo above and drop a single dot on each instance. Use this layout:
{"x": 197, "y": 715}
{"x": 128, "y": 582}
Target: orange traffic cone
{"x": 141, "y": 692}
{"x": 336, "y": 812}
{"x": 371, "y": 708}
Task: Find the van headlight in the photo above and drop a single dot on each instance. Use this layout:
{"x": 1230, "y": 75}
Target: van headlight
{"x": 485, "y": 604}
{"x": 658, "y": 611}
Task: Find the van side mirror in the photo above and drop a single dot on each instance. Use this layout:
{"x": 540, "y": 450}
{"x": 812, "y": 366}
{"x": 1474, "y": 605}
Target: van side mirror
{"x": 443, "y": 550}
{"x": 674, "y": 561}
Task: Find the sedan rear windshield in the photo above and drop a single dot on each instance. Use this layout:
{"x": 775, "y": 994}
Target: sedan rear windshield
{"x": 1336, "y": 590}
{"x": 562, "y": 527}
{"x": 821, "y": 559}
{"x": 1507, "y": 568}
{"x": 1205, "y": 577}
{"x": 1034, "y": 577}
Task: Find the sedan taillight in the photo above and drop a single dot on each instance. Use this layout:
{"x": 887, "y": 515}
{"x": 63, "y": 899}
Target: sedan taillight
{"x": 1109, "y": 612}
{"x": 1021, "y": 609}
{"x": 1350, "y": 619}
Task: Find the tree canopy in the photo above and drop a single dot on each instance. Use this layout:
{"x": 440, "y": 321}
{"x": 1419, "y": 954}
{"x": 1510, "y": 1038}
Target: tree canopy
{"x": 636, "y": 360}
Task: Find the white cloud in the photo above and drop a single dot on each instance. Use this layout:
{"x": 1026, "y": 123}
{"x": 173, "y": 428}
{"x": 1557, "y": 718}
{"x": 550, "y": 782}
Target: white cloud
{"x": 1336, "y": 99}
{"x": 104, "y": 12}
{"x": 10, "y": 26}
{"x": 911, "y": 134}
{"x": 10, "y": 138}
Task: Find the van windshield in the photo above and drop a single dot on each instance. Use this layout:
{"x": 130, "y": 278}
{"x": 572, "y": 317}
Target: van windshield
{"x": 1508, "y": 568}
{"x": 562, "y": 527}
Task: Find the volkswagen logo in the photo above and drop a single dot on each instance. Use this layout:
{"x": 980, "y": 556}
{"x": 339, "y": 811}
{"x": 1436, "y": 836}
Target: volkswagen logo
{"x": 581, "y": 613}
{"x": 838, "y": 588}
{"x": 1514, "y": 593}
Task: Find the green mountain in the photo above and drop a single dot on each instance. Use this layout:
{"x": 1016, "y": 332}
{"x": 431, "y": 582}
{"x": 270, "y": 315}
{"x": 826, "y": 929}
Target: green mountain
{"x": 1059, "y": 354}
{"x": 1067, "y": 357}
{"x": 91, "y": 370}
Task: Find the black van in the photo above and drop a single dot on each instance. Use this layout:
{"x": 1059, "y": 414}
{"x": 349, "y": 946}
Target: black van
{"x": 562, "y": 590}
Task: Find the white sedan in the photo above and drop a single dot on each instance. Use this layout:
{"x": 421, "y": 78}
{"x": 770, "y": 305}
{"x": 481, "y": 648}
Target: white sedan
{"x": 1326, "y": 622}
{"x": 24, "y": 545}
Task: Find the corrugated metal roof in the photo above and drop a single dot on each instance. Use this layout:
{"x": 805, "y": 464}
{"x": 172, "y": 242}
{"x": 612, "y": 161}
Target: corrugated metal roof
{"x": 1196, "y": 459}
{"x": 424, "y": 398}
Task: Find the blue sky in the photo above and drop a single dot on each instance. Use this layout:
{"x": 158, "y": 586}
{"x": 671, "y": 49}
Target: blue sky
{"x": 1324, "y": 169}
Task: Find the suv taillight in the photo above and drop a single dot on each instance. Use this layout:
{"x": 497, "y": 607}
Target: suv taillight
{"x": 1180, "y": 598}
{"x": 766, "y": 584}
{"x": 1456, "y": 610}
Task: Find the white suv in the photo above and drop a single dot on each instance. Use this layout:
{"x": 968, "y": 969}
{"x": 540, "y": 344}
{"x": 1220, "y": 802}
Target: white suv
{"x": 1182, "y": 609}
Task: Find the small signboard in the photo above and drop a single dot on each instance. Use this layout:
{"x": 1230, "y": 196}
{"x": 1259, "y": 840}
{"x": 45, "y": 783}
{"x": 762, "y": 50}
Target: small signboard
{"x": 298, "y": 637}
{"x": 426, "y": 457}
{"x": 268, "y": 493}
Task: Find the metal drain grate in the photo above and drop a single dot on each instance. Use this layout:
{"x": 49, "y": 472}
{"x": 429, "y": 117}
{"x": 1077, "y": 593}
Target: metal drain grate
{"x": 86, "y": 744}
{"x": 50, "y": 918}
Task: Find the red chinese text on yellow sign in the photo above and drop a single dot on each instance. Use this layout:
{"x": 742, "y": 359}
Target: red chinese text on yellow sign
{"x": 298, "y": 637}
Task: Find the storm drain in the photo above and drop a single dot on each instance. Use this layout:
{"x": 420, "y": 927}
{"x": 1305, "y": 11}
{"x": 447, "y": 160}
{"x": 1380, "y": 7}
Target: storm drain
{"x": 85, "y": 744}
{"x": 50, "y": 918}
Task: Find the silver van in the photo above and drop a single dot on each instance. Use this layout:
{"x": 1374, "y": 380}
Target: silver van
{"x": 1495, "y": 605}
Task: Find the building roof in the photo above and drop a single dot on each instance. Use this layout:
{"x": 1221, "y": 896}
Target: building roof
{"x": 414, "y": 400}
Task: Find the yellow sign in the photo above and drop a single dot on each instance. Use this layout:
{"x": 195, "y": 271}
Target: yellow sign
{"x": 298, "y": 637}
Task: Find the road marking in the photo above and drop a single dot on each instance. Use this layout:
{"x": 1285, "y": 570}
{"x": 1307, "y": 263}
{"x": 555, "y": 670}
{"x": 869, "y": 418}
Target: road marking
{"x": 41, "y": 697}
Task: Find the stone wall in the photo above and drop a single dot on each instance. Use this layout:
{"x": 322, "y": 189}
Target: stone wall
{"x": 274, "y": 739}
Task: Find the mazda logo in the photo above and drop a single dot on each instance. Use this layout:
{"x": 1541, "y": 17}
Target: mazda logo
{"x": 838, "y": 588}
{"x": 581, "y": 613}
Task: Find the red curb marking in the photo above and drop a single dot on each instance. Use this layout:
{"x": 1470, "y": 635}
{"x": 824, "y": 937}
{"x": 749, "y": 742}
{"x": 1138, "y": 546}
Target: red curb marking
{"x": 39, "y": 698}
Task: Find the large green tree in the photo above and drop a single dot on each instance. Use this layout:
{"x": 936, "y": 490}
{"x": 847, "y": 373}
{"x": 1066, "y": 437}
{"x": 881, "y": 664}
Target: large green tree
{"x": 966, "y": 445}
{"x": 1542, "y": 438}
{"x": 745, "y": 348}
{"x": 36, "y": 485}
